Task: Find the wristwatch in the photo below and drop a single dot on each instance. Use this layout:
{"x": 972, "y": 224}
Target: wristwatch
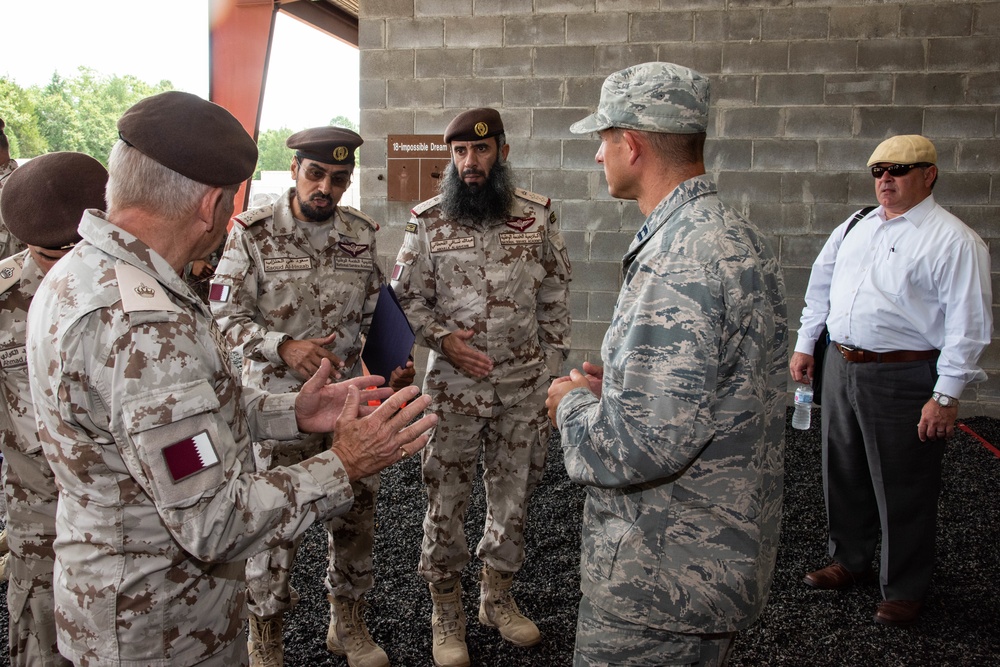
{"x": 944, "y": 400}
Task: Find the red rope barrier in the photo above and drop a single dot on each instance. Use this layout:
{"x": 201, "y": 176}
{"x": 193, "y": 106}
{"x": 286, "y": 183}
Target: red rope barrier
{"x": 981, "y": 439}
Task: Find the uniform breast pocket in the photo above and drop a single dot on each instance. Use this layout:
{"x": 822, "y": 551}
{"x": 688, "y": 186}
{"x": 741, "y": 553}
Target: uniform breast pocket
{"x": 177, "y": 439}
{"x": 893, "y": 276}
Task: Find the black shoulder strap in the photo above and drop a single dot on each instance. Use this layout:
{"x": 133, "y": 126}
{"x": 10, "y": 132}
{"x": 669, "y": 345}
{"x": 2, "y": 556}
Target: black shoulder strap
{"x": 857, "y": 216}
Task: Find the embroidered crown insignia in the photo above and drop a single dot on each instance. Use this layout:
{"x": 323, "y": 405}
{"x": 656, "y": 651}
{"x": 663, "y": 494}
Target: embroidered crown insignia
{"x": 145, "y": 292}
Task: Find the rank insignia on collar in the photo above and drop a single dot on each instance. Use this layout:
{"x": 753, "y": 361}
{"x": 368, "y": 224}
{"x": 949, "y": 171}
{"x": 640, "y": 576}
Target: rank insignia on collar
{"x": 190, "y": 456}
{"x": 7, "y": 272}
{"x": 520, "y": 224}
{"x": 145, "y": 291}
{"x": 353, "y": 249}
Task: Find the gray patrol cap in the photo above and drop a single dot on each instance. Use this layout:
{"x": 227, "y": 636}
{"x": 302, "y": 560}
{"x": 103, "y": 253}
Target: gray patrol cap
{"x": 653, "y": 97}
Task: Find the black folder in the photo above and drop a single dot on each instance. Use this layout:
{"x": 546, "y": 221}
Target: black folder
{"x": 390, "y": 337}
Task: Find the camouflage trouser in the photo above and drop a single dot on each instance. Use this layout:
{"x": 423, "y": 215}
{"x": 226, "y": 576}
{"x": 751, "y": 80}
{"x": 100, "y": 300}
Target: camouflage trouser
{"x": 31, "y": 606}
{"x": 351, "y": 538}
{"x": 514, "y": 442}
{"x": 603, "y": 640}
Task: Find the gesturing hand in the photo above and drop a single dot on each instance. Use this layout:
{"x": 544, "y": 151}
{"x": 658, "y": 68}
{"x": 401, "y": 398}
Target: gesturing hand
{"x": 304, "y": 356}
{"x": 466, "y": 358}
{"x": 320, "y": 402}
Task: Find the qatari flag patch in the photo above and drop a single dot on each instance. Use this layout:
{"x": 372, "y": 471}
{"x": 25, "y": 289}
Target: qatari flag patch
{"x": 219, "y": 292}
{"x": 190, "y": 455}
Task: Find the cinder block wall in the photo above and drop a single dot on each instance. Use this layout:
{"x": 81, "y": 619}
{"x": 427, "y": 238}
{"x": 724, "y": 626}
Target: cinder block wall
{"x": 802, "y": 92}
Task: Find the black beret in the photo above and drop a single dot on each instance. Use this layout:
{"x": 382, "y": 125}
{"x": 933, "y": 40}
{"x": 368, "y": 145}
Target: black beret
{"x": 195, "y": 138}
{"x": 43, "y": 200}
{"x": 329, "y": 145}
{"x": 474, "y": 124}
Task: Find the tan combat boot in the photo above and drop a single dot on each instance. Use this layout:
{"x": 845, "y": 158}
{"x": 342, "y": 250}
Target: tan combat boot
{"x": 448, "y": 625}
{"x": 265, "y": 646}
{"x": 497, "y": 609}
{"x": 348, "y": 635}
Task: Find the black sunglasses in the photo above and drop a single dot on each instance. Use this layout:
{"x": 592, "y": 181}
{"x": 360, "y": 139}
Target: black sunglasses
{"x": 897, "y": 169}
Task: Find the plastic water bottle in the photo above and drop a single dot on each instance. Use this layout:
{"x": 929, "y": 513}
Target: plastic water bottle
{"x": 802, "y": 416}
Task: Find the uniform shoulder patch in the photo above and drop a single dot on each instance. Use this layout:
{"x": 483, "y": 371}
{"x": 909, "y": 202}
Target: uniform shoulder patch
{"x": 412, "y": 228}
{"x": 552, "y": 217}
{"x": 10, "y": 271}
{"x": 532, "y": 196}
{"x": 141, "y": 291}
{"x": 425, "y": 206}
{"x": 361, "y": 215}
{"x": 252, "y": 216}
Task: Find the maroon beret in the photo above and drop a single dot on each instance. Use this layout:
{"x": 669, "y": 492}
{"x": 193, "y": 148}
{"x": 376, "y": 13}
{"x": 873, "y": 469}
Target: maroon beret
{"x": 329, "y": 145}
{"x": 195, "y": 138}
{"x": 474, "y": 124}
{"x": 43, "y": 200}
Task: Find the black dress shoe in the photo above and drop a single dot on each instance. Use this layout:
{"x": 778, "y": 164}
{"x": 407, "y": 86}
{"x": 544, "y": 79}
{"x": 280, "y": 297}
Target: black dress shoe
{"x": 898, "y": 613}
{"x": 836, "y": 577}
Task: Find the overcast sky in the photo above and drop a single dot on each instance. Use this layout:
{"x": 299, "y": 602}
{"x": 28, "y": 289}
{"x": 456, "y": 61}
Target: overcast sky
{"x": 169, "y": 40}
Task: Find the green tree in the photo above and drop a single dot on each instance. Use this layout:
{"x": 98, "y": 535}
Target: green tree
{"x": 272, "y": 153}
{"x": 18, "y": 110}
{"x": 344, "y": 121}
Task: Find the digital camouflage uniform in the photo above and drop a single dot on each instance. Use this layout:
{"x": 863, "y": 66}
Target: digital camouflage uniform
{"x": 509, "y": 285}
{"x": 272, "y": 283}
{"x": 8, "y": 244}
{"x": 148, "y": 432}
{"x": 682, "y": 456}
{"x": 29, "y": 485}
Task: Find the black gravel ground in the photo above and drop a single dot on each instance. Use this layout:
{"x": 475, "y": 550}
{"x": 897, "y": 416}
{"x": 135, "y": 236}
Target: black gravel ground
{"x": 800, "y": 626}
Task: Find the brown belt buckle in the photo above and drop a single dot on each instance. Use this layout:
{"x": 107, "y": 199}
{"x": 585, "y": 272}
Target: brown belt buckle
{"x": 847, "y": 352}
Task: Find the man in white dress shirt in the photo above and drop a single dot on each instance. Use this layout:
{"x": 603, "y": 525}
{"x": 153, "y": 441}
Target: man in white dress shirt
{"x": 907, "y": 299}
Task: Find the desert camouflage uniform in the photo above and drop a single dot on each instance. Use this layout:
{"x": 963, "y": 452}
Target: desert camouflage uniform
{"x": 682, "y": 456}
{"x": 509, "y": 285}
{"x": 29, "y": 485}
{"x": 148, "y": 432}
{"x": 8, "y": 244}
{"x": 272, "y": 283}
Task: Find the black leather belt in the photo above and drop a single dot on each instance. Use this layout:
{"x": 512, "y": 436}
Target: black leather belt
{"x": 856, "y": 355}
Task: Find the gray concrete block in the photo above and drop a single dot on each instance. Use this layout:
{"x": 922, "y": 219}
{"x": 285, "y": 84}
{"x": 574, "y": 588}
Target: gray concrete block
{"x": 414, "y": 33}
{"x": 627, "y": 5}
{"x": 564, "y": 60}
{"x": 891, "y": 55}
{"x": 602, "y": 306}
{"x": 880, "y": 123}
{"x": 819, "y": 56}
{"x": 868, "y": 22}
{"x": 963, "y": 190}
{"x": 371, "y": 34}
{"x": 750, "y": 122}
{"x": 740, "y": 57}
{"x": 811, "y": 187}
{"x": 705, "y": 58}
{"x": 613, "y": 57}
{"x": 507, "y": 61}
{"x": 584, "y": 92}
{"x": 632, "y": 217}
{"x": 602, "y": 28}
{"x": 442, "y": 7}
{"x": 658, "y": 27}
{"x": 728, "y": 154}
{"x": 983, "y": 88}
{"x": 955, "y": 121}
{"x": 533, "y": 92}
{"x": 501, "y": 7}
{"x": 966, "y": 54}
{"x": 381, "y": 122}
{"x": 530, "y": 153}
{"x": 385, "y": 65}
{"x": 580, "y": 154}
{"x": 598, "y": 276}
{"x": 745, "y": 186}
{"x": 577, "y": 243}
{"x": 986, "y": 19}
{"x": 796, "y": 282}
{"x": 979, "y": 155}
{"x": 827, "y": 216}
{"x": 800, "y": 250}
{"x": 852, "y": 89}
{"x": 473, "y": 31}
{"x": 564, "y": 6}
{"x": 433, "y": 121}
{"x": 372, "y": 95}
{"x": 795, "y": 23}
{"x": 415, "y": 93}
{"x": 916, "y": 20}
{"x": 736, "y": 90}
{"x": 729, "y": 25}
{"x": 472, "y": 93}
{"x": 819, "y": 121}
{"x": 517, "y": 123}
{"x": 588, "y": 337}
{"x": 533, "y": 30}
{"x": 559, "y": 184}
{"x": 554, "y": 123}
{"x": 610, "y": 246}
{"x": 579, "y": 306}
{"x": 380, "y": 9}
{"x": 783, "y": 90}
{"x": 928, "y": 89}
{"x": 590, "y": 216}
{"x": 775, "y": 219}
{"x": 448, "y": 63}
{"x": 784, "y": 155}
{"x": 845, "y": 155}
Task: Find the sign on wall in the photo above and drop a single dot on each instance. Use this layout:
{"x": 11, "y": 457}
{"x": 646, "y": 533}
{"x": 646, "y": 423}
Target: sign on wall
{"x": 414, "y": 163}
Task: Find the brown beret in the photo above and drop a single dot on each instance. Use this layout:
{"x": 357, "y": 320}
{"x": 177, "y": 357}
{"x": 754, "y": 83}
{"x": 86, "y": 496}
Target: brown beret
{"x": 195, "y": 138}
{"x": 43, "y": 200}
{"x": 474, "y": 124}
{"x": 329, "y": 145}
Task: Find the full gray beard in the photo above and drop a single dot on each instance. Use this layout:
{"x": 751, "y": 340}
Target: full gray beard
{"x": 481, "y": 208}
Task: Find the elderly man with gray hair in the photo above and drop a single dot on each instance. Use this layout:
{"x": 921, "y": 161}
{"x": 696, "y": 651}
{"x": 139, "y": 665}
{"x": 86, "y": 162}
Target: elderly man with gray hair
{"x": 679, "y": 438}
